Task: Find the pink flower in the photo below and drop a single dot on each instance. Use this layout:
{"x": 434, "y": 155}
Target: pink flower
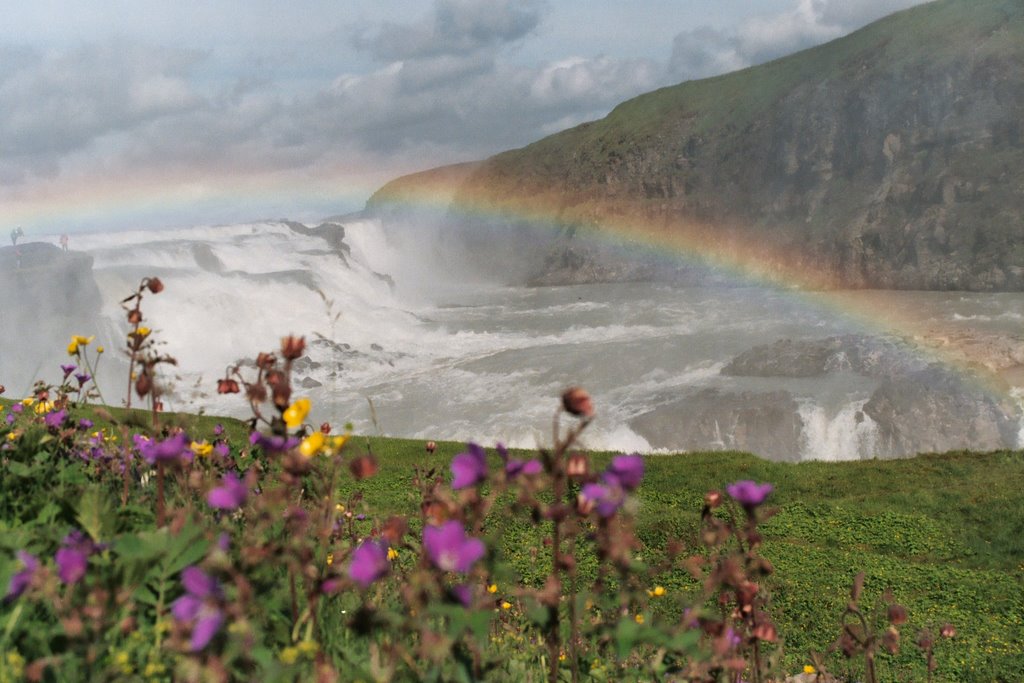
{"x": 449, "y": 549}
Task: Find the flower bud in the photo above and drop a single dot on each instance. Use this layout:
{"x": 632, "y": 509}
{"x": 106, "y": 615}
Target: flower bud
{"x": 134, "y": 316}
{"x": 227, "y": 386}
{"x": 897, "y": 615}
{"x": 577, "y": 401}
{"x": 325, "y": 428}
{"x": 293, "y": 347}
{"x": 363, "y": 467}
{"x": 143, "y": 384}
{"x": 431, "y": 447}
{"x": 947, "y": 631}
{"x": 154, "y": 285}
{"x": 713, "y": 499}
{"x": 578, "y": 465}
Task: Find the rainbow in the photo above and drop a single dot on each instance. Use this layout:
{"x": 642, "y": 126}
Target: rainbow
{"x": 152, "y": 198}
{"x": 749, "y": 264}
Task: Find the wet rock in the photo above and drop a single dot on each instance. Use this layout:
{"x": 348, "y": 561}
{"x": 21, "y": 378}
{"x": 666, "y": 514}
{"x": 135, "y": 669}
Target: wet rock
{"x": 206, "y": 259}
{"x": 767, "y": 424}
{"x": 934, "y": 410}
{"x": 310, "y": 383}
{"x": 863, "y": 354}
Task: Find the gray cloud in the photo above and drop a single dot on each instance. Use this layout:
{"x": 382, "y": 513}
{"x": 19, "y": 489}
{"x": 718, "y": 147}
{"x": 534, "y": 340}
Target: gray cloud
{"x": 455, "y": 27}
{"x": 705, "y": 51}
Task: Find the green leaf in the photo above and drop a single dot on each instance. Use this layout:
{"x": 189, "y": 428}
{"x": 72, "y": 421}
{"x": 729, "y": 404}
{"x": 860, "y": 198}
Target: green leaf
{"x": 19, "y": 469}
{"x": 626, "y": 634}
{"x": 94, "y": 513}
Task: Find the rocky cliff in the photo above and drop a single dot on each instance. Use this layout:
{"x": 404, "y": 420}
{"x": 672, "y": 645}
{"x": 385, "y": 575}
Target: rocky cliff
{"x": 892, "y": 157}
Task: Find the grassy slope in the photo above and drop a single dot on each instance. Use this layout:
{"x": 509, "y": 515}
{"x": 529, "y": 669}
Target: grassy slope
{"x": 730, "y": 102}
{"x": 944, "y": 532}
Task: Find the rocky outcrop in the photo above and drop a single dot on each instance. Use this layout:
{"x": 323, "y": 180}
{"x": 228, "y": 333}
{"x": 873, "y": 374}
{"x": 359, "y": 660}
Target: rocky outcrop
{"x": 890, "y": 158}
{"x": 933, "y": 410}
{"x": 765, "y": 423}
{"x": 917, "y": 407}
{"x": 876, "y": 357}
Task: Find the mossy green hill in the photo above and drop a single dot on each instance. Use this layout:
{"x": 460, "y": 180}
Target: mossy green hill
{"x": 892, "y": 157}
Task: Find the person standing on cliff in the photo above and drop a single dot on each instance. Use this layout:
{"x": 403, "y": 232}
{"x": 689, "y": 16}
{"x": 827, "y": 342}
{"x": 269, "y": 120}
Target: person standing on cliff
{"x": 64, "y": 241}
{"x": 15, "y": 234}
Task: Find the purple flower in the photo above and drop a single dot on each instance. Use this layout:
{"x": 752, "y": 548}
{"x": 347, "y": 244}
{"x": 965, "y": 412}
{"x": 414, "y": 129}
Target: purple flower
{"x": 625, "y": 470}
{"x": 369, "y": 562}
{"x": 218, "y": 429}
{"x": 73, "y": 558}
{"x": 229, "y": 495}
{"x": 55, "y": 419}
{"x": 200, "y": 606}
{"x": 23, "y": 579}
{"x": 514, "y": 466}
{"x": 749, "y": 494}
{"x": 82, "y": 378}
{"x": 10, "y": 418}
{"x": 170, "y": 449}
{"x": 273, "y": 444}
{"x": 17, "y": 408}
{"x": 469, "y": 468}
{"x": 450, "y": 549}
{"x": 221, "y": 449}
{"x": 462, "y": 593}
{"x": 68, "y": 369}
{"x": 605, "y": 498}
{"x": 85, "y": 424}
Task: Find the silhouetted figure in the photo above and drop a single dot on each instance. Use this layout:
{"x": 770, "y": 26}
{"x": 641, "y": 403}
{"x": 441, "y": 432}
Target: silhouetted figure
{"x": 64, "y": 242}
{"x": 15, "y": 234}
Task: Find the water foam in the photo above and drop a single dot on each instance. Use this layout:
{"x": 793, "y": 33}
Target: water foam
{"x": 850, "y": 434}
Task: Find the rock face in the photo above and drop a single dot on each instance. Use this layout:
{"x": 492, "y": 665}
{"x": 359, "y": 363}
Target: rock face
{"x": 865, "y": 355}
{"x": 932, "y": 410}
{"x": 766, "y": 423}
{"x": 890, "y": 158}
{"x": 917, "y": 407}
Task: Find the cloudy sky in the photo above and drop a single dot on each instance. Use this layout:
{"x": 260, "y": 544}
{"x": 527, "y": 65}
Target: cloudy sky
{"x": 149, "y": 113}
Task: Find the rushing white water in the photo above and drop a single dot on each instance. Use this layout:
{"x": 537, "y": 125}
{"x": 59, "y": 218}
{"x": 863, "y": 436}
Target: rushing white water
{"x": 438, "y": 356}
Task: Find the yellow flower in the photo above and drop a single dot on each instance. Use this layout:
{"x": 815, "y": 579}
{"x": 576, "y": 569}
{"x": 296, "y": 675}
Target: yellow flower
{"x": 493, "y": 588}
{"x": 312, "y": 444}
{"x": 308, "y": 647}
{"x": 27, "y": 401}
{"x": 43, "y": 407}
{"x": 16, "y": 663}
{"x": 330, "y": 559}
{"x": 143, "y": 331}
{"x": 392, "y": 554}
{"x": 808, "y": 669}
{"x": 76, "y": 342}
{"x": 289, "y": 655}
{"x": 12, "y": 436}
{"x": 657, "y": 592}
{"x": 506, "y": 605}
{"x": 561, "y": 656}
{"x": 202, "y": 449}
{"x": 337, "y": 442}
{"x": 296, "y": 413}
{"x": 639, "y": 618}
{"x": 99, "y": 349}
{"x": 339, "y": 508}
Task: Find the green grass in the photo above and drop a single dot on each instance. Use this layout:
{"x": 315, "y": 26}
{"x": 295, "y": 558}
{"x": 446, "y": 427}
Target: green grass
{"x": 944, "y": 533}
